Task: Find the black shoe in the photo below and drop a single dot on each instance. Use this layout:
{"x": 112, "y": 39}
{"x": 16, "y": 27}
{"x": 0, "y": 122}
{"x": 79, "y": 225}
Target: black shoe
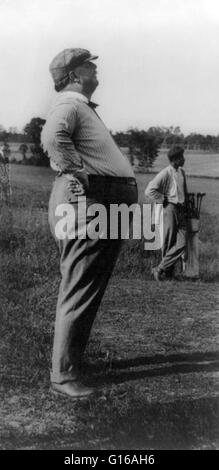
{"x": 75, "y": 390}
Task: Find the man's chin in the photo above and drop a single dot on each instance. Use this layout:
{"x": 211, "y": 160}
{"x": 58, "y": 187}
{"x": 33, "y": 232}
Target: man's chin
{"x": 96, "y": 83}
{"x": 94, "y": 86}
{"x": 90, "y": 87}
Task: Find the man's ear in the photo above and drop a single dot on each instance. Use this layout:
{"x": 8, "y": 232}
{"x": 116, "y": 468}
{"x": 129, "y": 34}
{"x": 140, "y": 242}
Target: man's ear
{"x": 73, "y": 77}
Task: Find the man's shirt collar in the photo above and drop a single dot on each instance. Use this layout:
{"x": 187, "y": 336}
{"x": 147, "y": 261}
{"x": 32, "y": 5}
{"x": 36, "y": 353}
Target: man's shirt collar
{"x": 78, "y": 96}
{"x": 73, "y": 94}
{"x": 173, "y": 170}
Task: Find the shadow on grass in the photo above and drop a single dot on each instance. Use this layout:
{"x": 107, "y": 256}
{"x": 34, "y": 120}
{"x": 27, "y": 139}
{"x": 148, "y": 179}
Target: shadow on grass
{"x": 164, "y": 358}
{"x": 173, "y": 364}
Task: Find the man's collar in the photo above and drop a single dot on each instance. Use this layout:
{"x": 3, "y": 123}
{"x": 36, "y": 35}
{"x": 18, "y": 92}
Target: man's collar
{"x": 174, "y": 169}
{"x": 74, "y": 94}
{"x": 79, "y": 96}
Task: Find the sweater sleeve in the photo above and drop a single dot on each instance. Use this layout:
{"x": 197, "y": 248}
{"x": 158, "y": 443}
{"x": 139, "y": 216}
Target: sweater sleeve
{"x": 156, "y": 188}
{"x": 57, "y": 138}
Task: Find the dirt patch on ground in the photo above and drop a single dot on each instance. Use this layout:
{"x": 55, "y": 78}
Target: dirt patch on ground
{"x": 154, "y": 354}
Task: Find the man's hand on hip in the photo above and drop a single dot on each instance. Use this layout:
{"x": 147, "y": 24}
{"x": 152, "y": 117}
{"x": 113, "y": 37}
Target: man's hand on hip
{"x": 79, "y": 183}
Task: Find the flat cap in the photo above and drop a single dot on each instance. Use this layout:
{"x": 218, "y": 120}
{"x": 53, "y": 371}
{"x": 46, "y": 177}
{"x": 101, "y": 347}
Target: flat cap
{"x": 67, "y": 60}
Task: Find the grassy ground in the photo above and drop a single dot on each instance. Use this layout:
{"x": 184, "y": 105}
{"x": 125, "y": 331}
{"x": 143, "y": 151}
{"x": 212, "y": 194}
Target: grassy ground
{"x": 196, "y": 163}
{"x": 153, "y": 347}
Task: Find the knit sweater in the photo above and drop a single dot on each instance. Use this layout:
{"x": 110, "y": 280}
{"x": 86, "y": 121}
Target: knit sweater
{"x": 75, "y": 137}
{"x": 166, "y": 185}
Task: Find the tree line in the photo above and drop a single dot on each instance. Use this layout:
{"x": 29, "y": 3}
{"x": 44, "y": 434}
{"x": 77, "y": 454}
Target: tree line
{"x": 141, "y": 146}
{"x": 29, "y": 140}
{"x": 165, "y": 137}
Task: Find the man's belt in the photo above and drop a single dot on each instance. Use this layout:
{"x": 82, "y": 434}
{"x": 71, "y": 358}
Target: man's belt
{"x": 105, "y": 179}
{"x": 177, "y": 204}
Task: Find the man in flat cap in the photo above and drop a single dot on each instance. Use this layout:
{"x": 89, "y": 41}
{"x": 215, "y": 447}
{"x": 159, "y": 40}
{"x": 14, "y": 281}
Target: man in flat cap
{"x": 90, "y": 167}
{"x": 169, "y": 188}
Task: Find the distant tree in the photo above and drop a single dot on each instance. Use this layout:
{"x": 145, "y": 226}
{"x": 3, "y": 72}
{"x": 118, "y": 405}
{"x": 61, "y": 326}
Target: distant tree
{"x": 2, "y": 129}
{"x": 5, "y": 188}
{"x": 216, "y": 142}
{"x": 158, "y": 133}
{"x": 33, "y": 130}
{"x": 195, "y": 141}
{"x": 39, "y": 157}
{"x": 178, "y": 136}
{"x": 13, "y": 130}
{"x": 122, "y": 140}
{"x": 3, "y": 135}
{"x": 143, "y": 146}
{"x": 210, "y": 142}
{"x": 23, "y": 149}
{"x": 167, "y": 136}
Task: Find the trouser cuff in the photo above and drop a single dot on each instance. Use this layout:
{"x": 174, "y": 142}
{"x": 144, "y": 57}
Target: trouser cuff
{"x": 62, "y": 377}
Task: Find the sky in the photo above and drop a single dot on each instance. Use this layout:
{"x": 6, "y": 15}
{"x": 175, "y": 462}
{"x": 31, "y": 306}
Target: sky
{"x": 158, "y": 60}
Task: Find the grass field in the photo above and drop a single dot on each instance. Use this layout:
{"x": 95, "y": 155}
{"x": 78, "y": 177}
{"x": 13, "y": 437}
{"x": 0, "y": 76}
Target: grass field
{"x": 196, "y": 163}
{"x": 154, "y": 348}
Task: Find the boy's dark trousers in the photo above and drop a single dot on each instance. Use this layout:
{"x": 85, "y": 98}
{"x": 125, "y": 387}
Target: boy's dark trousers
{"x": 174, "y": 237}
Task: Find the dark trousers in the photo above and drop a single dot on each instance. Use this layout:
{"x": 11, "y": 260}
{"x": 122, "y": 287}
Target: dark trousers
{"x": 174, "y": 237}
{"x": 86, "y": 266}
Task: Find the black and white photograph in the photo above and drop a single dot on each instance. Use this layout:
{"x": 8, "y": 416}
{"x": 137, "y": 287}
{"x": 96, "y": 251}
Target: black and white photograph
{"x": 109, "y": 221}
